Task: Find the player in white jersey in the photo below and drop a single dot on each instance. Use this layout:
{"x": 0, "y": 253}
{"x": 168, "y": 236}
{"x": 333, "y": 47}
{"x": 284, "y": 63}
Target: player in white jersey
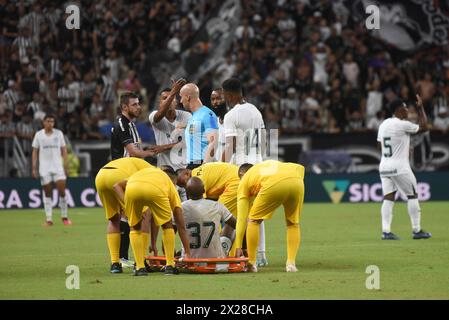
{"x": 395, "y": 172}
{"x": 203, "y": 219}
{"x": 244, "y": 127}
{"x": 168, "y": 125}
{"x": 218, "y": 105}
{"x": 245, "y": 139}
{"x": 49, "y": 149}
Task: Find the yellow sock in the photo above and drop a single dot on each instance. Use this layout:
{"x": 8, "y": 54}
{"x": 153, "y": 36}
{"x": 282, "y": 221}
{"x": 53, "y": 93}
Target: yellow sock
{"x": 168, "y": 239}
{"x": 145, "y": 242}
{"x": 232, "y": 251}
{"x": 114, "y": 246}
{"x": 135, "y": 238}
{"x": 252, "y": 241}
{"x": 293, "y": 242}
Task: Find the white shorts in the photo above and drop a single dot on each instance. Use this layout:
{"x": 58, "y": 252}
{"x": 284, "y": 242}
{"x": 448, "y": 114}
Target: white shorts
{"x": 406, "y": 183}
{"x": 50, "y": 177}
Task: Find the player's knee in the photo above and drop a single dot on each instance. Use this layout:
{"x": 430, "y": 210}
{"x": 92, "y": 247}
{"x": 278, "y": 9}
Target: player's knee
{"x": 259, "y": 221}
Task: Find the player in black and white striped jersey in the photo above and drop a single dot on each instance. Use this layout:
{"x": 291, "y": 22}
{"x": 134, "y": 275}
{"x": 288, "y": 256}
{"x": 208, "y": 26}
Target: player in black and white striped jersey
{"x": 125, "y": 142}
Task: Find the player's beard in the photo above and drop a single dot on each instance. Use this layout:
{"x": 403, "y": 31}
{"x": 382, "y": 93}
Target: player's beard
{"x": 134, "y": 115}
{"x": 220, "y": 110}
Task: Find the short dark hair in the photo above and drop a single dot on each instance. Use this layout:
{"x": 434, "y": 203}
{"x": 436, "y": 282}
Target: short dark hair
{"x": 233, "y": 85}
{"x": 244, "y": 168}
{"x": 169, "y": 171}
{"x": 49, "y": 116}
{"x": 124, "y": 98}
{"x": 395, "y": 105}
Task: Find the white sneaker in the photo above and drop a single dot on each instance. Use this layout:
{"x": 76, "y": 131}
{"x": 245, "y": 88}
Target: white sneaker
{"x": 261, "y": 259}
{"x": 251, "y": 268}
{"x": 290, "y": 267}
{"x": 126, "y": 263}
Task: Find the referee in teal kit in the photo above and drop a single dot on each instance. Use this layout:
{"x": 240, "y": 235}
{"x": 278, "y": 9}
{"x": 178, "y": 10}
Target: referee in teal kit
{"x": 201, "y": 132}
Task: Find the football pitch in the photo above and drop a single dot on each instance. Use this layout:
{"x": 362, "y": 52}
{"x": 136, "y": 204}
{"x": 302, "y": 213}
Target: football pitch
{"x": 338, "y": 243}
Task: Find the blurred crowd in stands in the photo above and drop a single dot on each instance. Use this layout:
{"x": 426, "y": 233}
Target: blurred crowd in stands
{"x": 304, "y": 64}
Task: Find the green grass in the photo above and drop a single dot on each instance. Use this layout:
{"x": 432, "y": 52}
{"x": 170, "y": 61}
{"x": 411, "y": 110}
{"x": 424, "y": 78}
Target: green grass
{"x": 338, "y": 243}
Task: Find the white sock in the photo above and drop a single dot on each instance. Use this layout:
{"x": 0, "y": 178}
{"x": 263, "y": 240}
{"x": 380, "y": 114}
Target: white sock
{"x": 261, "y": 247}
{"x": 48, "y": 208}
{"x": 414, "y": 212}
{"x": 387, "y": 215}
{"x": 63, "y": 206}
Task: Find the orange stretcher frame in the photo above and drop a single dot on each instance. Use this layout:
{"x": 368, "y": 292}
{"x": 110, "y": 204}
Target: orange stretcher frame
{"x": 199, "y": 265}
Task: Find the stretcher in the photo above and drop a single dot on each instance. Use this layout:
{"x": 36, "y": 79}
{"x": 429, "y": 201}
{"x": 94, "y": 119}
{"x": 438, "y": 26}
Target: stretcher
{"x": 201, "y": 265}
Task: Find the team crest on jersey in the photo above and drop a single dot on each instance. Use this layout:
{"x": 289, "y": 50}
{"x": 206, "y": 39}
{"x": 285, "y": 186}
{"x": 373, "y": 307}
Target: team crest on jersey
{"x": 191, "y": 129}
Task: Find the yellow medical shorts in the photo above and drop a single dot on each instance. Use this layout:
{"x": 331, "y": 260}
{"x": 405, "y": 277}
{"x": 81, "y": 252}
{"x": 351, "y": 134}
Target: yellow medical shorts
{"x": 139, "y": 195}
{"x": 288, "y": 192}
{"x": 104, "y": 182}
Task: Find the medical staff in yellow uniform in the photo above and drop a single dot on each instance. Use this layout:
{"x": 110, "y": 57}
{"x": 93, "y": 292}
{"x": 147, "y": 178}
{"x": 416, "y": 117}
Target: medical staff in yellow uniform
{"x": 270, "y": 184}
{"x": 112, "y": 173}
{"x": 220, "y": 180}
{"x": 152, "y": 188}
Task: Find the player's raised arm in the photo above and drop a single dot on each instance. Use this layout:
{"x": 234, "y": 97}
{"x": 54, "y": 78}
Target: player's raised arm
{"x": 165, "y": 105}
{"x": 422, "y": 117}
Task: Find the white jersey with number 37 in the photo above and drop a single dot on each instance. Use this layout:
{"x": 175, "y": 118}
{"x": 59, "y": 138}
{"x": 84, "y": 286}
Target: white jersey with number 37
{"x": 394, "y": 136}
{"x": 203, "y": 219}
{"x": 245, "y": 122}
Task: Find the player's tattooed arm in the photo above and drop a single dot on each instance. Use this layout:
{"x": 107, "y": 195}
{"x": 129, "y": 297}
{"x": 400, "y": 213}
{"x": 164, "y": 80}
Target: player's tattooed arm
{"x": 422, "y": 117}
